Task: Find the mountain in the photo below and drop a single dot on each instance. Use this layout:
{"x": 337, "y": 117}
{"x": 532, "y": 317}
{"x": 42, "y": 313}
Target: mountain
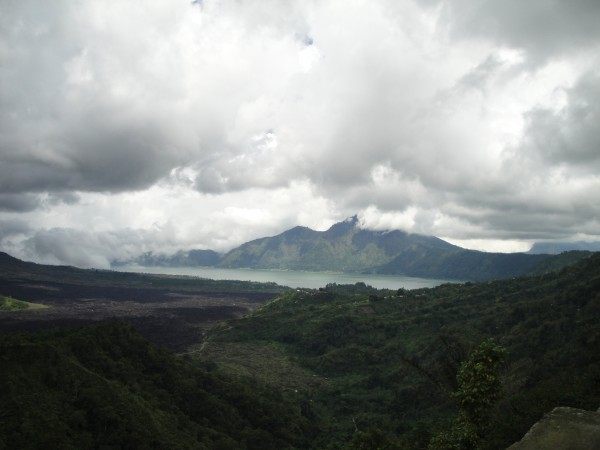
{"x": 554, "y": 248}
{"x": 14, "y": 271}
{"x": 183, "y": 258}
{"x": 474, "y": 265}
{"x": 346, "y": 247}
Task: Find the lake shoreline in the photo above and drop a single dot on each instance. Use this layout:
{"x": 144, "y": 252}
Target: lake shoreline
{"x": 290, "y": 278}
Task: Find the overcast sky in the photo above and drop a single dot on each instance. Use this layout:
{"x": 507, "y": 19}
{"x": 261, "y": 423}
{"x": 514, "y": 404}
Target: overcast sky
{"x": 130, "y": 126}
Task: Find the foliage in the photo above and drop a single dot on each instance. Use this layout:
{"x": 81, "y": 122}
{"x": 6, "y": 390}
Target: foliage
{"x": 391, "y": 363}
{"x": 106, "y": 387}
{"x": 479, "y": 384}
{"x": 372, "y": 439}
{"x": 384, "y": 365}
{"x": 12, "y": 304}
{"x": 462, "y": 435}
{"x": 479, "y": 388}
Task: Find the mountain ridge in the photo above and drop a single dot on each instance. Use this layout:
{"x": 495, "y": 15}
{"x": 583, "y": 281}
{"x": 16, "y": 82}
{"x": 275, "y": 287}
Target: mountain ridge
{"x": 347, "y": 247}
{"x": 555, "y": 248}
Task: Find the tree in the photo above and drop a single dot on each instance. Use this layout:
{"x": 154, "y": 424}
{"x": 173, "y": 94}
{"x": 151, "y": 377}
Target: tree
{"x": 479, "y": 388}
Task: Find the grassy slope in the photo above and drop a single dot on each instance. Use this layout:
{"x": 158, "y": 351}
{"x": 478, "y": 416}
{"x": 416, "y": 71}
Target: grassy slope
{"x": 12, "y": 304}
{"x": 389, "y": 359}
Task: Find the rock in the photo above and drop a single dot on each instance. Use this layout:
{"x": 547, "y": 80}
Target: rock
{"x": 563, "y": 429}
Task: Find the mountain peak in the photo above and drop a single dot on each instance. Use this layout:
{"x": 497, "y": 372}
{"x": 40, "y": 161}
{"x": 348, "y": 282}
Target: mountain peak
{"x": 344, "y": 226}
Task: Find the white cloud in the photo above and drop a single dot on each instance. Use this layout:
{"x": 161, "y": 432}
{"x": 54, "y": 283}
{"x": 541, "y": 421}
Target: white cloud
{"x": 209, "y": 124}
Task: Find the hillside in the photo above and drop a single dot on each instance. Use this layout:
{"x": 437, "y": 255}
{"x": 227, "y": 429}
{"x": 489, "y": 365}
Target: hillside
{"x": 338, "y": 367}
{"x": 345, "y": 247}
{"x": 15, "y": 270}
{"x": 388, "y": 359}
{"x": 106, "y": 387}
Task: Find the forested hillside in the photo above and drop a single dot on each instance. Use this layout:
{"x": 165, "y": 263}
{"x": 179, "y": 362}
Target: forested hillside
{"x": 338, "y": 367}
{"x": 106, "y": 387}
{"x": 388, "y": 360}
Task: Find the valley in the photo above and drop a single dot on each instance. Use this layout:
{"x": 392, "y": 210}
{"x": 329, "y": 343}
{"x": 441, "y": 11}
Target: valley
{"x": 342, "y": 366}
{"x": 170, "y": 311}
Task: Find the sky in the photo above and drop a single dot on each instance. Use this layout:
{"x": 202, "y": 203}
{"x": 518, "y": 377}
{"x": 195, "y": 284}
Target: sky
{"x": 129, "y": 126}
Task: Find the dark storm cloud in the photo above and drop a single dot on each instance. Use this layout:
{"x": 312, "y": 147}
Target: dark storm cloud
{"x": 13, "y": 227}
{"x": 72, "y": 123}
{"x": 19, "y": 202}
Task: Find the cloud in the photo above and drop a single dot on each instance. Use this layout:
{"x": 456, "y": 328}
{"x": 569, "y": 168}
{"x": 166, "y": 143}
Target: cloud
{"x": 163, "y": 219}
{"x": 24, "y": 202}
{"x": 543, "y": 29}
{"x": 470, "y": 120}
{"x": 19, "y": 202}
{"x": 569, "y": 136}
{"x": 13, "y": 227}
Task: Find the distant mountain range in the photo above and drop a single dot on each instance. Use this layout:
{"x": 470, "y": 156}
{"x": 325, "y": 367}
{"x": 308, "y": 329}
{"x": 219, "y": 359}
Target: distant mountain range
{"x": 183, "y": 258}
{"x": 345, "y": 247}
{"x": 554, "y": 248}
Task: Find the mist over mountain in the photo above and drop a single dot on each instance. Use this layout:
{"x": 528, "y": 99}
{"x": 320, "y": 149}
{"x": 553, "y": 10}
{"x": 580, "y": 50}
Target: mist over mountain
{"x": 182, "y": 258}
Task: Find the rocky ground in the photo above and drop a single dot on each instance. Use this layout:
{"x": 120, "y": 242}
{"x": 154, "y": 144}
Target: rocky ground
{"x": 563, "y": 429}
{"x": 168, "y": 317}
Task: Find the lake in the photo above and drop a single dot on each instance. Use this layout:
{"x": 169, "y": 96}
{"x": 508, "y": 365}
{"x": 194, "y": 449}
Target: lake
{"x": 292, "y": 278}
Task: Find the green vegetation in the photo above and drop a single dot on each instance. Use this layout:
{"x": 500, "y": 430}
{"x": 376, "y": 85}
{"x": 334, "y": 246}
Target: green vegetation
{"x": 465, "y": 366}
{"x": 267, "y": 362}
{"x": 12, "y": 304}
{"x": 390, "y": 359}
{"x": 106, "y": 387}
{"x": 561, "y": 429}
{"x": 479, "y": 388}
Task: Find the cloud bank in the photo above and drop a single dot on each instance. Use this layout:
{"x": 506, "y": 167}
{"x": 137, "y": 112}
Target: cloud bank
{"x": 128, "y": 127}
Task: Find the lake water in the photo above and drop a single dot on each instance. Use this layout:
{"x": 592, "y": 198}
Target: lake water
{"x": 292, "y": 278}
